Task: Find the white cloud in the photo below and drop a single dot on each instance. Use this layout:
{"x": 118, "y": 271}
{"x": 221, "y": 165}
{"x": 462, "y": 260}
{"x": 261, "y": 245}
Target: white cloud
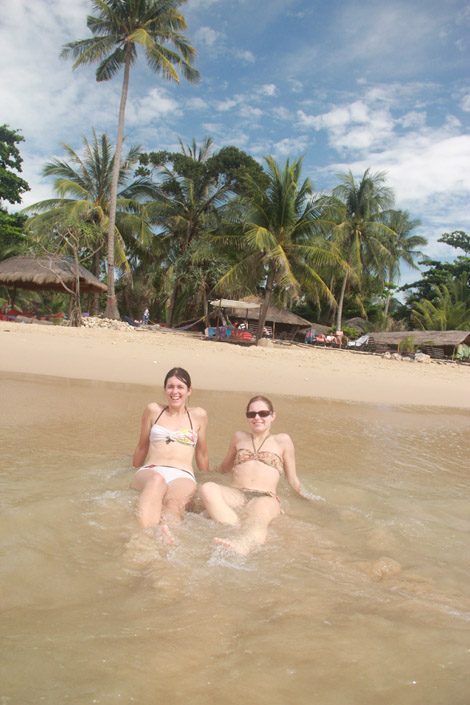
{"x": 196, "y": 104}
{"x": 149, "y": 109}
{"x": 207, "y": 36}
{"x": 293, "y": 147}
{"x": 269, "y": 89}
{"x": 246, "y": 56}
{"x": 465, "y": 105}
{"x": 225, "y": 105}
{"x": 248, "y": 112}
{"x": 351, "y": 127}
{"x": 280, "y": 112}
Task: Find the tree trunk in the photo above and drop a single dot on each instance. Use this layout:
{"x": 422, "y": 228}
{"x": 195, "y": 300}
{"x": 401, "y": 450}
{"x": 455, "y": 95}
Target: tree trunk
{"x": 265, "y": 305}
{"x": 387, "y": 305}
{"x": 96, "y": 297}
{"x": 340, "y": 303}
{"x": 172, "y": 305}
{"x": 111, "y": 310}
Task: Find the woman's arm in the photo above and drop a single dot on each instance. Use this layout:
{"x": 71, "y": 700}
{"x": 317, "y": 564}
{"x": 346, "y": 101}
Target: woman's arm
{"x": 202, "y": 456}
{"x": 227, "y": 463}
{"x": 142, "y": 447}
{"x": 288, "y": 457}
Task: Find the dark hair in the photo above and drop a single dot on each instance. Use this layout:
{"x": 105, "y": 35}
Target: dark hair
{"x": 180, "y": 374}
{"x": 260, "y": 397}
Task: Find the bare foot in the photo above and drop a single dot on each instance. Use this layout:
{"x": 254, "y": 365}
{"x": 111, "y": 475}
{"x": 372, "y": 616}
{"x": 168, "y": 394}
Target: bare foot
{"x": 166, "y": 535}
{"x": 237, "y": 546}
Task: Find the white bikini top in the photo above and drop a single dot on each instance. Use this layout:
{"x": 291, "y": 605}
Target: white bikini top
{"x": 184, "y": 435}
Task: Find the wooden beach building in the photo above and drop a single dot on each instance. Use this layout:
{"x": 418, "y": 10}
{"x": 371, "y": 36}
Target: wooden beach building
{"x": 436, "y": 343}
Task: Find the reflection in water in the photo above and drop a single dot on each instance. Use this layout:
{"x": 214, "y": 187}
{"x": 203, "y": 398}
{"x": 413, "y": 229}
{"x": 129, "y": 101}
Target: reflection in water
{"x": 360, "y": 595}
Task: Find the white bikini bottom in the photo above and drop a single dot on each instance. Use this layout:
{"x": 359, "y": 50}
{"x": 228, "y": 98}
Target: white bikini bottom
{"x": 169, "y": 473}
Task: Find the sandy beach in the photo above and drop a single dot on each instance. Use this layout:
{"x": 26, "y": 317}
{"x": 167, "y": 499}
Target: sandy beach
{"x": 137, "y": 356}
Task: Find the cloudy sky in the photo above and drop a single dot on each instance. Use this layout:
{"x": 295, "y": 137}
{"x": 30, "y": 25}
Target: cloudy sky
{"x": 348, "y": 85}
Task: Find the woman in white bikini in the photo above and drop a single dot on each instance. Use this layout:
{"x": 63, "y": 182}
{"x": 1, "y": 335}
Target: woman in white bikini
{"x": 171, "y": 435}
{"x": 258, "y": 459}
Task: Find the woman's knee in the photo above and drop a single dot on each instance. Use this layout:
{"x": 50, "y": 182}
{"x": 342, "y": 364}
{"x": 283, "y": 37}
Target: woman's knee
{"x": 208, "y": 491}
{"x": 155, "y": 484}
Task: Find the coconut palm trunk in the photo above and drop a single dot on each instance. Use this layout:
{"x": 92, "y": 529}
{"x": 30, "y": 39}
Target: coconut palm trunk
{"x": 339, "y": 315}
{"x": 265, "y": 305}
{"x": 111, "y": 310}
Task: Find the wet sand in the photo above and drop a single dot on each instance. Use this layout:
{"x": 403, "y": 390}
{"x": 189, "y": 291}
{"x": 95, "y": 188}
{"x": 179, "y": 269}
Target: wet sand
{"x": 137, "y": 356}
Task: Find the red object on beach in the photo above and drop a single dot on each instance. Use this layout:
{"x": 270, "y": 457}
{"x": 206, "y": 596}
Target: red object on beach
{"x": 242, "y": 336}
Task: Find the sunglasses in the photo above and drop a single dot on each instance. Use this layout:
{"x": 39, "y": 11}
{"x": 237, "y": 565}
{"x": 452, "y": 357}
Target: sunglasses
{"x": 262, "y": 414}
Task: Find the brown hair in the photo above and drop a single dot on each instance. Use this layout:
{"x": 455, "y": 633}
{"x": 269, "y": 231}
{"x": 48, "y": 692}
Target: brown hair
{"x": 260, "y": 397}
{"x": 180, "y": 374}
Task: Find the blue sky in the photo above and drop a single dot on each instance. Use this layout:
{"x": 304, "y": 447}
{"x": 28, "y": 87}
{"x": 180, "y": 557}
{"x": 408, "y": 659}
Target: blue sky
{"x": 348, "y": 85}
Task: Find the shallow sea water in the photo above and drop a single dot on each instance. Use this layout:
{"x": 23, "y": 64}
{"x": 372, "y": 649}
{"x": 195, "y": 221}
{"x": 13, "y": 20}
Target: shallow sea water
{"x": 360, "y": 596}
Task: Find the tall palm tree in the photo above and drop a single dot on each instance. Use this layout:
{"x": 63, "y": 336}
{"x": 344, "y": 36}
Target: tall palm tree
{"x": 357, "y": 228}
{"x": 189, "y": 196}
{"x": 276, "y": 237}
{"x": 403, "y": 244}
{"x": 119, "y": 28}
{"x": 83, "y": 187}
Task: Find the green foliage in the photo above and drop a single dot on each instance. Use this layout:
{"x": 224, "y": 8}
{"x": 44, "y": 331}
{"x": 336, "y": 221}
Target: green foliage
{"x": 449, "y": 310}
{"x": 439, "y": 274}
{"x": 11, "y": 189}
{"x": 458, "y": 239}
{"x": 406, "y": 345}
{"x": 275, "y": 236}
{"x": 11, "y": 185}
{"x": 83, "y": 186}
{"x": 356, "y": 213}
{"x": 120, "y": 27}
{"x": 352, "y": 333}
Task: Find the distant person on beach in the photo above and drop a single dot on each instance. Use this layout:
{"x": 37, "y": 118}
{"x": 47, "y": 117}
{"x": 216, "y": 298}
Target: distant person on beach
{"x": 171, "y": 435}
{"x": 258, "y": 459}
{"x": 145, "y": 317}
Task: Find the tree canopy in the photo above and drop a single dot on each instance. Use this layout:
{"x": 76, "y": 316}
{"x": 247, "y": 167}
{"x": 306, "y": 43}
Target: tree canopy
{"x": 12, "y": 187}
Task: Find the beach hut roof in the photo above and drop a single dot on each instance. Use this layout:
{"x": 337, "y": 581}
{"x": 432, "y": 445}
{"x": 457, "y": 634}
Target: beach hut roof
{"x": 46, "y": 272}
{"x": 424, "y": 337}
{"x": 273, "y": 315}
{"x": 231, "y": 304}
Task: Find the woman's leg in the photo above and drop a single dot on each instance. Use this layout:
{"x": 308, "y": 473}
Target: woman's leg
{"x": 152, "y": 488}
{"x": 178, "y": 495}
{"x": 254, "y": 528}
{"x": 220, "y": 502}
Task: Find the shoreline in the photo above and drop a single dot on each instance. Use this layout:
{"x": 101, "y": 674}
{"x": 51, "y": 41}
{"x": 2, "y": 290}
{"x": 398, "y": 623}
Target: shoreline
{"x": 138, "y": 356}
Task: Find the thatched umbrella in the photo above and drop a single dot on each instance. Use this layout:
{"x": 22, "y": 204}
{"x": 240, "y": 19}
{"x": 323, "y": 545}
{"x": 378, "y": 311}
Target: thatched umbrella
{"x": 284, "y": 319}
{"x": 50, "y": 272}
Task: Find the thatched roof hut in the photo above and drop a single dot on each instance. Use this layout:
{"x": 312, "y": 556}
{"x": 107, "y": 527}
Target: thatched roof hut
{"x": 283, "y": 321}
{"x": 445, "y": 340}
{"x": 49, "y": 272}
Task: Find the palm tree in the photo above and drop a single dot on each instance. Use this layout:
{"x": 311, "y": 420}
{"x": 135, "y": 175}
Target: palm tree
{"x": 364, "y": 240}
{"x": 403, "y": 244}
{"x": 276, "y": 237}
{"x": 450, "y": 310}
{"x": 119, "y": 27}
{"x": 83, "y": 187}
{"x": 189, "y": 197}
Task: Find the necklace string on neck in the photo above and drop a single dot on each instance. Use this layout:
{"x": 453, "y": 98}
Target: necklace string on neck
{"x": 262, "y": 443}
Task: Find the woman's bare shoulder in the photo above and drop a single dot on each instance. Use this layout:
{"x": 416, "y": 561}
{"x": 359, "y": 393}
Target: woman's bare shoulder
{"x": 198, "y": 412}
{"x": 153, "y": 408}
{"x": 241, "y": 437}
{"x": 283, "y": 439}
